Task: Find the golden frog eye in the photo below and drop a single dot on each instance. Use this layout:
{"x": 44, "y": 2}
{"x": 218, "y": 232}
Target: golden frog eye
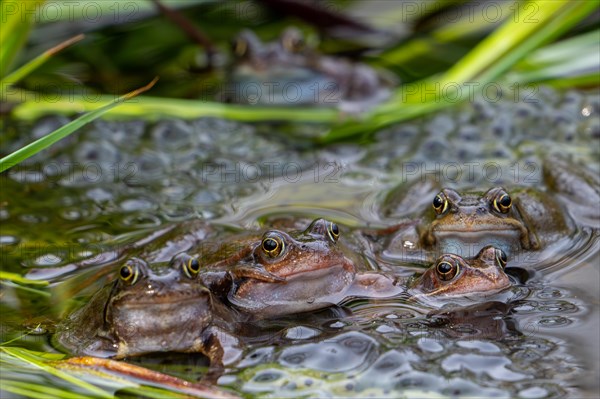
{"x": 273, "y": 244}
{"x": 292, "y": 41}
{"x": 501, "y": 257}
{"x": 129, "y": 273}
{"x": 191, "y": 267}
{"x": 446, "y": 270}
{"x": 240, "y": 46}
{"x": 440, "y": 204}
{"x": 502, "y": 202}
{"x": 333, "y": 231}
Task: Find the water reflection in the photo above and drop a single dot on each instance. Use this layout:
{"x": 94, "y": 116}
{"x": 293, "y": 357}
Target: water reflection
{"x": 68, "y": 219}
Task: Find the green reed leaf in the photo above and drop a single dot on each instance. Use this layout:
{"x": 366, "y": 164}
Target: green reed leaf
{"x": 62, "y": 132}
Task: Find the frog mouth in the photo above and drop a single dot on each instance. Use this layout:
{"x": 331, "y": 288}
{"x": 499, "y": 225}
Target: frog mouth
{"x": 166, "y": 300}
{"x": 481, "y": 233}
{"x": 478, "y": 229}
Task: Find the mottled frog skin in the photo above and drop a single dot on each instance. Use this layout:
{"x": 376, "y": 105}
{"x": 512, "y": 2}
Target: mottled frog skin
{"x": 281, "y": 273}
{"x": 454, "y": 276}
{"x": 147, "y": 311}
{"x": 514, "y": 219}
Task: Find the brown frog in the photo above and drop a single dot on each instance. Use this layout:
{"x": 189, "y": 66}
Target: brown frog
{"x": 463, "y": 223}
{"x": 282, "y": 273}
{"x": 519, "y": 219}
{"x": 288, "y": 72}
{"x": 452, "y": 275}
{"x": 151, "y": 310}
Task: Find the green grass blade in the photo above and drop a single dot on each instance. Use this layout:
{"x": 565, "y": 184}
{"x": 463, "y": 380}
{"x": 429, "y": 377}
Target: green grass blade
{"x": 37, "y": 391}
{"x": 26, "y": 69}
{"x": 17, "y": 18}
{"x": 17, "y": 278}
{"x": 25, "y": 288}
{"x": 494, "y": 55}
{"x": 39, "y": 362}
{"x": 569, "y": 17}
{"x": 470, "y": 24}
{"x": 152, "y": 108}
{"x": 502, "y": 41}
{"x": 62, "y": 132}
{"x": 562, "y": 51}
{"x": 591, "y": 80}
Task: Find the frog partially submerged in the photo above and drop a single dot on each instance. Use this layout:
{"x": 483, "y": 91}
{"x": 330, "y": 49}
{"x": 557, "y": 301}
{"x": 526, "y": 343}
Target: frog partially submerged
{"x": 287, "y": 72}
{"x": 517, "y": 219}
{"x": 146, "y": 311}
{"x": 524, "y": 219}
{"x": 452, "y": 275}
{"x": 282, "y": 273}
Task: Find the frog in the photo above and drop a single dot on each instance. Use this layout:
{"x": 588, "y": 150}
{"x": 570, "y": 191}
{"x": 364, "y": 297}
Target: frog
{"x": 280, "y": 273}
{"x": 288, "y": 72}
{"x": 524, "y": 219}
{"x": 452, "y": 275}
{"x": 149, "y": 310}
{"x": 519, "y": 219}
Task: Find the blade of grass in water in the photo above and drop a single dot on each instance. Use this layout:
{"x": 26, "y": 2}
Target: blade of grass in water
{"x": 26, "y": 69}
{"x": 17, "y": 278}
{"x": 152, "y": 108}
{"x": 17, "y": 20}
{"x": 62, "y": 132}
{"x": 25, "y": 288}
{"x": 17, "y": 362}
{"x": 39, "y": 361}
{"x": 33, "y": 391}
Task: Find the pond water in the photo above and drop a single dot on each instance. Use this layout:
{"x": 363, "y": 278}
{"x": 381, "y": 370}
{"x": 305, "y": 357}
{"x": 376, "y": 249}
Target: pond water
{"x": 103, "y": 187}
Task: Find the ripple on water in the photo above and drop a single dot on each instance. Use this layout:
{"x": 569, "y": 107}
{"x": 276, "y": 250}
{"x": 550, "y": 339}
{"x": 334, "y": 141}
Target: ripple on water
{"x": 346, "y": 352}
{"x": 301, "y": 333}
{"x": 554, "y": 321}
{"x": 151, "y": 172}
{"x": 257, "y": 356}
{"x": 137, "y": 204}
{"x": 494, "y": 366}
{"x": 141, "y": 221}
{"x": 481, "y": 346}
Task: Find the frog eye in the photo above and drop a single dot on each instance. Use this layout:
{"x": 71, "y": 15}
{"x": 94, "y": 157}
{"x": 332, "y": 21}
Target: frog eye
{"x": 502, "y": 202}
{"x": 129, "y": 273}
{"x": 446, "y": 270}
{"x": 501, "y": 257}
{"x": 440, "y": 204}
{"x": 239, "y": 46}
{"x": 185, "y": 263}
{"x": 191, "y": 267}
{"x": 273, "y": 245}
{"x": 292, "y": 41}
{"x": 333, "y": 231}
